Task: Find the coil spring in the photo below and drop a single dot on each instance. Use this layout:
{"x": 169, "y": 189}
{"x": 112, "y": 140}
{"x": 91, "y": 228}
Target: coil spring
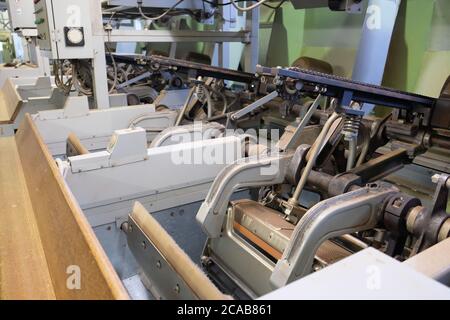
{"x": 200, "y": 92}
{"x": 351, "y": 126}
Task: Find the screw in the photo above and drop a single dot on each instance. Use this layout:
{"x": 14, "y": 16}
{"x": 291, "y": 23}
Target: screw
{"x": 398, "y": 202}
{"x": 435, "y": 178}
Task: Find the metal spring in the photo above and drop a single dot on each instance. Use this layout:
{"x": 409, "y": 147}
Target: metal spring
{"x": 200, "y": 92}
{"x": 352, "y": 125}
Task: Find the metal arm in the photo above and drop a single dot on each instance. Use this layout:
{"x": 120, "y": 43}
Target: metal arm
{"x": 255, "y": 105}
{"x": 351, "y": 212}
{"x": 254, "y": 172}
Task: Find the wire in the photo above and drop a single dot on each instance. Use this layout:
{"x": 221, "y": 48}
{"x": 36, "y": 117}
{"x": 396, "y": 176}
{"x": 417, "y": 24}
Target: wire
{"x": 278, "y": 6}
{"x": 237, "y": 1}
{"x": 160, "y": 16}
{"x": 245, "y": 9}
{"x": 116, "y": 73}
{"x": 76, "y": 81}
{"x": 120, "y": 15}
{"x": 59, "y": 78}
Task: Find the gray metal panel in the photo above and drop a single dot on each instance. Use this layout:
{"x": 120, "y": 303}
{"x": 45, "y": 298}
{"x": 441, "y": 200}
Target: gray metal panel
{"x": 158, "y": 275}
{"x": 187, "y": 4}
{"x": 21, "y": 14}
{"x": 368, "y": 274}
{"x": 52, "y": 17}
{"x": 433, "y": 262}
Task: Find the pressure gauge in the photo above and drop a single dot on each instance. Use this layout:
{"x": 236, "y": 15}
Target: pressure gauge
{"x": 74, "y": 37}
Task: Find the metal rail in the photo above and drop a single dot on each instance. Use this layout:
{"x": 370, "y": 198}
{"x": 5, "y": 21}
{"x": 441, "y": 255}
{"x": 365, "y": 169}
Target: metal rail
{"x": 340, "y": 87}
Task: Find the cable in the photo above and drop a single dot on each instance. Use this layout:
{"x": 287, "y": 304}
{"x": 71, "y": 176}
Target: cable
{"x": 237, "y": 1}
{"x": 254, "y": 6}
{"x": 276, "y": 7}
{"x": 160, "y": 16}
{"x": 59, "y": 78}
{"x": 76, "y": 81}
{"x": 114, "y": 68}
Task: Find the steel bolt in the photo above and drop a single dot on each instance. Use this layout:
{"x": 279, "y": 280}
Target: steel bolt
{"x": 435, "y": 178}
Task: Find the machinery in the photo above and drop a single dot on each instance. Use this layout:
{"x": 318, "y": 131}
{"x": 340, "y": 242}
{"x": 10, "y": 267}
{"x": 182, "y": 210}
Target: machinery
{"x": 88, "y": 76}
{"x": 97, "y": 131}
{"x": 201, "y": 95}
{"x": 332, "y": 198}
{"x": 77, "y": 43}
{"x": 85, "y": 69}
{"x": 324, "y": 193}
{"x": 270, "y": 218}
{"x": 22, "y": 22}
{"x": 166, "y": 178}
{"x": 209, "y": 177}
{"x": 132, "y": 147}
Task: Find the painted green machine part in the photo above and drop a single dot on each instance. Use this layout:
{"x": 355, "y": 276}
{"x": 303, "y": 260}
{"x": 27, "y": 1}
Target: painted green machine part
{"x": 419, "y": 56}
{"x": 7, "y": 52}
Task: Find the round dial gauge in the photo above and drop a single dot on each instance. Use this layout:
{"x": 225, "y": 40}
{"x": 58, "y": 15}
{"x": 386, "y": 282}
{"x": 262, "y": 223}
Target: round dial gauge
{"x": 75, "y": 36}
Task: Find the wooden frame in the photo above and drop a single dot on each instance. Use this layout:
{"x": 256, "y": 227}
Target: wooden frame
{"x": 67, "y": 240}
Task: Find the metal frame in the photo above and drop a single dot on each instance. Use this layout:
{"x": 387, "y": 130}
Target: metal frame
{"x": 348, "y": 90}
{"x": 22, "y": 28}
{"x": 248, "y": 36}
{"x": 171, "y": 36}
{"x": 95, "y": 127}
{"x": 155, "y": 180}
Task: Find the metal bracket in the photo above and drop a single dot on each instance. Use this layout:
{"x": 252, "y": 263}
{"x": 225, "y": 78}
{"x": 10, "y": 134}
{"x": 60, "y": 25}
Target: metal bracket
{"x": 254, "y": 172}
{"x": 351, "y": 212}
{"x": 254, "y": 106}
{"x": 158, "y": 275}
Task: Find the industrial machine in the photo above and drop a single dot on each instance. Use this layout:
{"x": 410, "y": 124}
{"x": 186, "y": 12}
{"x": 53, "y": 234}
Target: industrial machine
{"x": 85, "y": 69}
{"x": 324, "y": 193}
{"x": 22, "y": 24}
{"x": 201, "y": 95}
{"x": 78, "y": 43}
{"x": 166, "y": 178}
{"x": 212, "y": 177}
{"x": 89, "y": 76}
{"x": 332, "y": 185}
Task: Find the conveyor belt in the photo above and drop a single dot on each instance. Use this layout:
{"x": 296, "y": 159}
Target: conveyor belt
{"x": 361, "y": 92}
{"x": 202, "y": 70}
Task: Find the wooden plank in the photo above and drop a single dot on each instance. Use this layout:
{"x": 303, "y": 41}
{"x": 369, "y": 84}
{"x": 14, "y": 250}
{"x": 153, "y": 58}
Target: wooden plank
{"x": 74, "y": 146}
{"x": 23, "y": 268}
{"x": 10, "y": 103}
{"x": 67, "y": 238}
